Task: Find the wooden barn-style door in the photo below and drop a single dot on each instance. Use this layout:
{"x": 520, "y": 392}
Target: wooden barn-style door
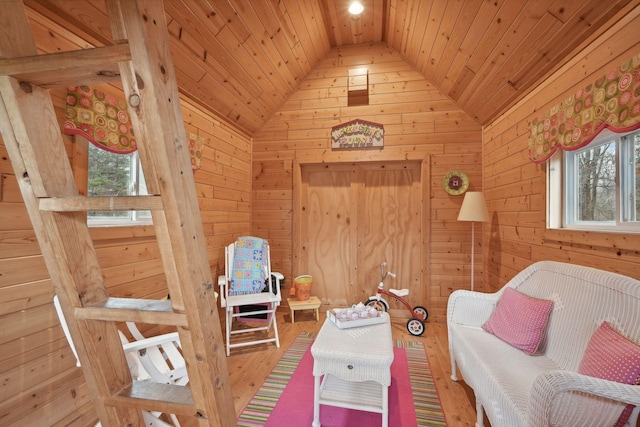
{"x": 351, "y": 218}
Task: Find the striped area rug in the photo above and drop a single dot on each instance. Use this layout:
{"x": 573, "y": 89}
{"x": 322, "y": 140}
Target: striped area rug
{"x": 425, "y": 396}
{"x": 259, "y": 408}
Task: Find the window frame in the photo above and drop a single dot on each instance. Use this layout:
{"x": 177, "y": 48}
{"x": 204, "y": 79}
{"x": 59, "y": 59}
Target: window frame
{"x": 137, "y": 187}
{"x": 558, "y": 192}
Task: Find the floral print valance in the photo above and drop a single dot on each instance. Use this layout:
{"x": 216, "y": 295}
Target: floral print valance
{"x": 613, "y": 102}
{"x": 104, "y": 120}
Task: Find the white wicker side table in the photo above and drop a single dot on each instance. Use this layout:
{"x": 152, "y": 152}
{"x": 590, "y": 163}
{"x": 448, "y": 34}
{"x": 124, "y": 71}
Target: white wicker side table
{"x": 352, "y": 368}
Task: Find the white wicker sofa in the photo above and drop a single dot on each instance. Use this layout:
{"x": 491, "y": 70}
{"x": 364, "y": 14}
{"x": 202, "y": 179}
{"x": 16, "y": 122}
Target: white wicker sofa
{"x": 544, "y": 389}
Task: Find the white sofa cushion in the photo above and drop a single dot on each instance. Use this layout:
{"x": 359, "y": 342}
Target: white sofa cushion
{"x": 505, "y": 375}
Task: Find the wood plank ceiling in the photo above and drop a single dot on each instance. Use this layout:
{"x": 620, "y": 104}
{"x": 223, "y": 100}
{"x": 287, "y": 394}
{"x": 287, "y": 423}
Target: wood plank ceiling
{"x": 243, "y": 58}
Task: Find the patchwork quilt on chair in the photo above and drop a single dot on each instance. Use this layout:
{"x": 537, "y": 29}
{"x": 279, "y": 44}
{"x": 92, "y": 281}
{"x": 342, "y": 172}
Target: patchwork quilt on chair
{"x": 249, "y": 270}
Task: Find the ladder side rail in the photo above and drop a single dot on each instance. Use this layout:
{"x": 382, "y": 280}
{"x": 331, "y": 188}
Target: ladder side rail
{"x": 132, "y": 83}
{"x": 37, "y": 151}
{"x": 150, "y": 86}
{"x": 64, "y": 239}
{"x": 54, "y": 232}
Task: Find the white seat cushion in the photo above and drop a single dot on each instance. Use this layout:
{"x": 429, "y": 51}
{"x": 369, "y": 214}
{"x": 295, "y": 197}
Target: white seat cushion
{"x": 501, "y": 375}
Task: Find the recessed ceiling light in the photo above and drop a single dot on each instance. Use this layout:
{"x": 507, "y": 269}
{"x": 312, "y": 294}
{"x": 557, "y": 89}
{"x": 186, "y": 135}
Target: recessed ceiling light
{"x": 356, "y": 8}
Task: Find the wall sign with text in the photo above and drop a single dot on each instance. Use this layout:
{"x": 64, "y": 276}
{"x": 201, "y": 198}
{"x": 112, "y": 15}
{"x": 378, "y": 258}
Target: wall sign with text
{"x": 357, "y": 134}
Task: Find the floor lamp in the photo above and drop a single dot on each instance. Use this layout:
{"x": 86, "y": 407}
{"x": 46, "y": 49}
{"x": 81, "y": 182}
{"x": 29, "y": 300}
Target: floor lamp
{"x": 473, "y": 209}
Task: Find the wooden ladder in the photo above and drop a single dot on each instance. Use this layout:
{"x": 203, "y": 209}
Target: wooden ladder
{"x": 141, "y": 58}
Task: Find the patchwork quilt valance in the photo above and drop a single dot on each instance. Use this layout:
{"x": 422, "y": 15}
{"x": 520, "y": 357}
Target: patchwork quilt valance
{"x": 104, "y": 120}
{"x": 196, "y": 143}
{"x": 100, "y": 118}
{"x": 612, "y": 101}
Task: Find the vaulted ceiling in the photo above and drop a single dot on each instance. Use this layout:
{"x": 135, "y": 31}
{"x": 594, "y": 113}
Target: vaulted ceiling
{"x": 244, "y": 58}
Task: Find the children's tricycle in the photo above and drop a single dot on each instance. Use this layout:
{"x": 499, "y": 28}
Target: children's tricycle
{"x": 419, "y": 314}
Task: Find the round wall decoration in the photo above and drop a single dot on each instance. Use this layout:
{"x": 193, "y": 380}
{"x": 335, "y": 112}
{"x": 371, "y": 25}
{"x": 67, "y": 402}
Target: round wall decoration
{"x": 456, "y": 183}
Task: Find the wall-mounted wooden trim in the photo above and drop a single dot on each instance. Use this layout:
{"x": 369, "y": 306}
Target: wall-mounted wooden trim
{"x": 297, "y": 217}
{"x": 387, "y": 154}
{"x": 425, "y": 255}
{"x": 592, "y": 239}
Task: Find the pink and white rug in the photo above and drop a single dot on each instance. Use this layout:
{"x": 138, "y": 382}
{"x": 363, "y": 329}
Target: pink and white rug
{"x": 286, "y": 396}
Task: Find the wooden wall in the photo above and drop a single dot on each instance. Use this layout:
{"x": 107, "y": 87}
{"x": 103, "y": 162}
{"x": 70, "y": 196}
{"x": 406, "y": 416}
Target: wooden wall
{"x": 39, "y": 382}
{"x": 515, "y": 187}
{"x": 247, "y": 187}
{"x": 419, "y": 123}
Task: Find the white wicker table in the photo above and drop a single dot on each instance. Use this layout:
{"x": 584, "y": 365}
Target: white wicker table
{"x": 352, "y": 368}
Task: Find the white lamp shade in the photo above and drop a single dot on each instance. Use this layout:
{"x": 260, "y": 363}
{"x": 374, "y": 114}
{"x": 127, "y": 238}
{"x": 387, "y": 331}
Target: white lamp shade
{"x": 473, "y": 208}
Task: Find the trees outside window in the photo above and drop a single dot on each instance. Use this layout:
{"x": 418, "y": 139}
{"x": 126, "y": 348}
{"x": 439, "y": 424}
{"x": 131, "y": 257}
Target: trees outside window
{"x": 600, "y": 185}
{"x": 111, "y": 174}
{"x": 596, "y": 183}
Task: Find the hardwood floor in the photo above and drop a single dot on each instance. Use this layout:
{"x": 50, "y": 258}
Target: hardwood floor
{"x": 250, "y": 365}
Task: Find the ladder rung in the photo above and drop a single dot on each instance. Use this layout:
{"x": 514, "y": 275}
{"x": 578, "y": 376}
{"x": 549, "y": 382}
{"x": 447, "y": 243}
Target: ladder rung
{"x": 79, "y": 204}
{"x": 158, "y": 312}
{"x": 96, "y": 75}
{"x": 152, "y": 396}
{"x": 88, "y": 66}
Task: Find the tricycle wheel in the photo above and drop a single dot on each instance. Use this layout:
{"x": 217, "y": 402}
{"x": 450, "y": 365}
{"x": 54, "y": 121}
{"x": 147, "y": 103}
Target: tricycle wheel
{"x": 379, "y": 305}
{"x": 415, "y": 327}
{"x": 420, "y": 312}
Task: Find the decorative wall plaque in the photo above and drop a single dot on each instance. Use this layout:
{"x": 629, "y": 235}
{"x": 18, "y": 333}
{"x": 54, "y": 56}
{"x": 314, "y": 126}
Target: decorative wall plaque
{"x": 357, "y": 134}
{"x": 455, "y": 183}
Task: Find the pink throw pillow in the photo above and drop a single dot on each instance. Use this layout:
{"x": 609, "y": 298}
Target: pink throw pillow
{"x": 520, "y": 320}
{"x": 610, "y": 356}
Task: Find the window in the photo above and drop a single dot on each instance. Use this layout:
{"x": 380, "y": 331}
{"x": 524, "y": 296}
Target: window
{"x": 597, "y": 187}
{"x": 113, "y": 174}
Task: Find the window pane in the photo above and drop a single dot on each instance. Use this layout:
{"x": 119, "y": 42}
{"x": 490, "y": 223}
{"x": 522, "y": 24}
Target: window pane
{"x": 596, "y": 183}
{"x": 109, "y": 175}
{"x": 142, "y": 191}
{"x": 597, "y": 187}
{"x": 629, "y": 175}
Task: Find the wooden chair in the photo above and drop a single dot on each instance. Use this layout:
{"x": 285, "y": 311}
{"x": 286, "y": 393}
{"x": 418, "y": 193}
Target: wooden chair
{"x": 248, "y": 289}
{"x": 155, "y": 358}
